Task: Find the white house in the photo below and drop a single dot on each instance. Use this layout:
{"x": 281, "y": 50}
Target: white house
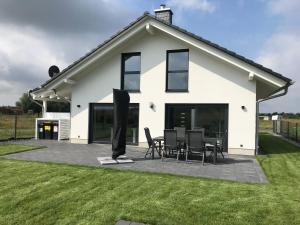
{"x": 174, "y": 78}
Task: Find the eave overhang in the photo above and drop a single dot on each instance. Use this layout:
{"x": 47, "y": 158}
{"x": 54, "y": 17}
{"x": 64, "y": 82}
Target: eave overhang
{"x": 152, "y": 25}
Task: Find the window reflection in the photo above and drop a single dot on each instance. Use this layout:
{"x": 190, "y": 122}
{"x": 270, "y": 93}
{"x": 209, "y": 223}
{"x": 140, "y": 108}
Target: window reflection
{"x": 102, "y": 123}
{"x": 131, "y": 71}
{"x": 211, "y": 117}
{"x": 177, "y": 70}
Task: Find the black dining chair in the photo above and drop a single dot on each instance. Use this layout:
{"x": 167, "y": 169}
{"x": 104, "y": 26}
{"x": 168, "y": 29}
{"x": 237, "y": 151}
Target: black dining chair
{"x": 150, "y": 142}
{"x": 217, "y": 143}
{"x": 220, "y": 146}
{"x": 170, "y": 143}
{"x": 181, "y": 138}
{"x": 180, "y": 132}
{"x": 200, "y": 129}
{"x": 195, "y": 144}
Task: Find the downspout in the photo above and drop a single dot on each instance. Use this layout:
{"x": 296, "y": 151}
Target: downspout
{"x": 285, "y": 88}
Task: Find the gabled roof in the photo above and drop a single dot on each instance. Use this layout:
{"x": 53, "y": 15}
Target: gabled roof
{"x": 147, "y": 14}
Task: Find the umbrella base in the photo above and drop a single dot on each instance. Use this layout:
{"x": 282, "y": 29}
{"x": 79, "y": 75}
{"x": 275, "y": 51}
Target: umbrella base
{"x": 110, "y": 161}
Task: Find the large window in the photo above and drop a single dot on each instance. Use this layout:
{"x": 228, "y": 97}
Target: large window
{"x": 131, "y": 71}
{"x": 177, "y": 70}
{"x": 101, "y": 123}
{"x": 212, "y": 117}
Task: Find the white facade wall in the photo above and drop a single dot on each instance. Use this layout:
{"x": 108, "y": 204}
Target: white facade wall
{"x": 56, "y": 115}
{"x": 210, "y": 81}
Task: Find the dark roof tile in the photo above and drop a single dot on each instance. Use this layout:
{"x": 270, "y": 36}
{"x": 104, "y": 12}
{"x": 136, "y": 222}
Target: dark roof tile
{"x": 147, "y": 14}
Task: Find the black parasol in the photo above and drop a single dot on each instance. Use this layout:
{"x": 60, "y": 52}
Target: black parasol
{"x": 121, "y": 108}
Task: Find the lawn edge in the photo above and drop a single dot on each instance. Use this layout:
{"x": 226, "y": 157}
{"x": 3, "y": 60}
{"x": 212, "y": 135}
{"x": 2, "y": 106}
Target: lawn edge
{"x": 25, "y": 150}
{"x": 131, "y": 171}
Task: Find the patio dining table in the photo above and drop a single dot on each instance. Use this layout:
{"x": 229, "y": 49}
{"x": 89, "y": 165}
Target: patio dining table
{"x": 208, "y": 143}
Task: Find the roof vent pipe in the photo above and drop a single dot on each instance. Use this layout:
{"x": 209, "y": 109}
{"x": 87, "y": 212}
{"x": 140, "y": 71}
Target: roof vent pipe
{"x": 164, "y": 14}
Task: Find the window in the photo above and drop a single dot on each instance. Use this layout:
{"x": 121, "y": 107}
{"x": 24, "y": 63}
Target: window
{"x": 213, "y": 118}
{"x": 102, "y": 122}
{"x": 177, "y": 70}
{"x": 131, "y": 71}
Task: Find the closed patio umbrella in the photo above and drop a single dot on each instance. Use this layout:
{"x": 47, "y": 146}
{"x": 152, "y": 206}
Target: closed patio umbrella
{"x": 121, "y": 108}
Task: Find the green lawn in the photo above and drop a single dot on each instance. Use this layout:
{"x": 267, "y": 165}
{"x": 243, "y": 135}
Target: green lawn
{"x": 25, "y": 126}
{"x": 43, "y": 193}
{"x": 265, "y": 125}
{"x": 13, "y": 148}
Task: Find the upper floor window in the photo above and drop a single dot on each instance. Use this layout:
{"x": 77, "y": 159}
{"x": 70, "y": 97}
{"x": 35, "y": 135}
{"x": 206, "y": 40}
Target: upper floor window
{"x": 177, "y": 70}
{"x": 131, "y": 71}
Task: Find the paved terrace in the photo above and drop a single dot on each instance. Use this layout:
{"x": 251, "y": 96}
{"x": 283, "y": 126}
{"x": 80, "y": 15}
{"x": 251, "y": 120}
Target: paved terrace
{"x": 235, "y": 168}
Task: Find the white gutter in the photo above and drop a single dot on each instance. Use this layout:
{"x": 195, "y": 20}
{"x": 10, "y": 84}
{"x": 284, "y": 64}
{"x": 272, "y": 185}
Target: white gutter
{"x": 285, "y": 88}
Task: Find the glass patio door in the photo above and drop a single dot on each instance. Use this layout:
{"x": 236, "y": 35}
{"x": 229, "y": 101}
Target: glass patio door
{"x": 101, "y": 123}
{"x": 212, "y": 117}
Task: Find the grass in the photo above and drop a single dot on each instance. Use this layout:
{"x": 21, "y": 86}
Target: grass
{"x": 265, "y": 125}
{"x": 292, "y": 120}
{"x": 290, "y": 130}
{"x": 14, "y": 148}
{"x": 44, "y": 193}
{"x": 294, "y": 131}
{"x": 25, "y": 126}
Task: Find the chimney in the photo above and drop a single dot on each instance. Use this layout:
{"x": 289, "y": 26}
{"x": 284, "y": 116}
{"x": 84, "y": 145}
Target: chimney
{"x": 164, "y": 14}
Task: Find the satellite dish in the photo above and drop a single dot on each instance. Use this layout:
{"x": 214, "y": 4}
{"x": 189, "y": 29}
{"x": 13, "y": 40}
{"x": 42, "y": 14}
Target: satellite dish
{"x": 53, "y": 70}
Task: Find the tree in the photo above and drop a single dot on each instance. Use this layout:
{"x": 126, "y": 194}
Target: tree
{"x": 26, "y": 104}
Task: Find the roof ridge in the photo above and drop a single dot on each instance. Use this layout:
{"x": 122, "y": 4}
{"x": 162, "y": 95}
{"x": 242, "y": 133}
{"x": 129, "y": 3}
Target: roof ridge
{"x": 197, "y": 37}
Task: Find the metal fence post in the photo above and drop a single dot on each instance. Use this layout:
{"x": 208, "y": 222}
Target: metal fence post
{"x": 297, "y": 132}
{"x": 288, "y": 129}
{"x": 15, "y": 136}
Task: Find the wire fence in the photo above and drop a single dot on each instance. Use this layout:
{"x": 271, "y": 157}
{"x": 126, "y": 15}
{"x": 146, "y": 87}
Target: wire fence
{"x": 288, "y": 129}
{"x": 20, "y": 126}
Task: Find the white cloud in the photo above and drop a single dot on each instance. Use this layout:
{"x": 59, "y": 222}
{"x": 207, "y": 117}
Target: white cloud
{"x": 25, "y": 55}
{"x": 281, "y": 52}
{"x": 26, "y": 47}
{"x": 4, "y": 85}
{"x": 201, "y": 5}
{"x": 286, "y": 7}
{"x": 36, "y": 34}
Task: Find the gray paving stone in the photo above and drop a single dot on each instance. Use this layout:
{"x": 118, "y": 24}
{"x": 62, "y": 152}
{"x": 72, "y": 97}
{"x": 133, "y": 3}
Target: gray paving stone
{"x": 235, "y": 168}
{"x": 123, "y": 222}
{"x": 134, "y": 223}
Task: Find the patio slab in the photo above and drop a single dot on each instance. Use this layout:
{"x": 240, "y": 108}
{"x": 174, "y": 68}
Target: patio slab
{"x": 235, "y": 168}
{"x": 124, "y": 222}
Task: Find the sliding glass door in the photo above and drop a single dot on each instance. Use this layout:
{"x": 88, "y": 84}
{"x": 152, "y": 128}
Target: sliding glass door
{"x": 101, "y": 123}
{"x": 212, "y": 117}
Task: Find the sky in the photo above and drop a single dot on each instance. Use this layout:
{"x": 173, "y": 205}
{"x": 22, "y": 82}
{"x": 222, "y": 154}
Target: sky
{"x": 35, "y": 34}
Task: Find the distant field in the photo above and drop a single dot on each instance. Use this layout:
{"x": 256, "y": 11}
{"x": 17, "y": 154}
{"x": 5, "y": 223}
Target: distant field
{"x": 265, "y": 125}
{"x": 25, "y": 126}
{"x": 292, "y": 120}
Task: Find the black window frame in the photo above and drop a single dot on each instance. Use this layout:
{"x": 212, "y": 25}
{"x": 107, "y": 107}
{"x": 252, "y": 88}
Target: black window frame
{"x": 189, "y": 105}
{"x": 123, "y": 72}
{"x": 176, "y": 71}
{"x": 91, "y": 122}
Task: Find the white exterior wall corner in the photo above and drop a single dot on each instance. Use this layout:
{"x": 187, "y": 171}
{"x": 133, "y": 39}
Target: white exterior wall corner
{"x": 210, "y": 81}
